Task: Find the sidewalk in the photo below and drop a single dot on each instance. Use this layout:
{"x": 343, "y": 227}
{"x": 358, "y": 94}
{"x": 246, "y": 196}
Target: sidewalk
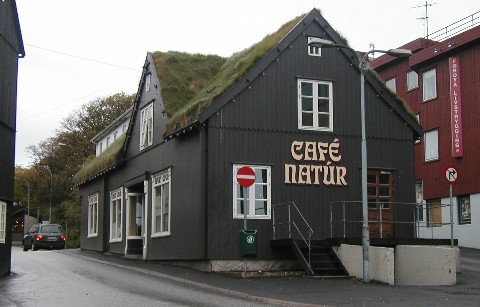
{"x": 304, "y": 291}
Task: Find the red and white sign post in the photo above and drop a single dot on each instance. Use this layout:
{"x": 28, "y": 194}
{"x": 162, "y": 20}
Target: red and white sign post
{"x": 245, "y": 178}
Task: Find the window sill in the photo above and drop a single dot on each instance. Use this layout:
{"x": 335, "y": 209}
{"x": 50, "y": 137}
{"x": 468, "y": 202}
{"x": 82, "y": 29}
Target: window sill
{"x": 161, "y": 235}
{"x": 115, "y": 240}
{"x": 249, "y": 217}
{"x": 93, "y": 235}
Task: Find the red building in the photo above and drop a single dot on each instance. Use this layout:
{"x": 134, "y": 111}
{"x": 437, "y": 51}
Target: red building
{"x": 441, "y": 84}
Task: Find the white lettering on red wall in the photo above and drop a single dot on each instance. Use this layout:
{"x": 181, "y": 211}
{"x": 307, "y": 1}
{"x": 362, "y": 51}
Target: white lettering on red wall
{"x": 456, "y": 110}
{"x": 318, "y": 166}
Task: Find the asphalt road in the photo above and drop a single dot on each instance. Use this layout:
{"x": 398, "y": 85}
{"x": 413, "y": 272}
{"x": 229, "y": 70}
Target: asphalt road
{"x": 79, "y": 278}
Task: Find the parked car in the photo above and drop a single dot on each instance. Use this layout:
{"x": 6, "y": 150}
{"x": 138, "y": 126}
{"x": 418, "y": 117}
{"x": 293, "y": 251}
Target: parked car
{"x": 44, "y": 236}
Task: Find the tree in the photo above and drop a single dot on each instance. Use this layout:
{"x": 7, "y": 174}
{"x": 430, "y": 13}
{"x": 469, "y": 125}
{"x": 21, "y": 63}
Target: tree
{"x": 63, "y": 154}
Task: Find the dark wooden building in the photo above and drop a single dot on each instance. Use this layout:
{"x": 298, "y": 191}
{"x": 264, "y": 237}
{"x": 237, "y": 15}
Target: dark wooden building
{"x": 440, "y": 83}
{"x": 11, "y": 48}
{"x": 168, "y": 190}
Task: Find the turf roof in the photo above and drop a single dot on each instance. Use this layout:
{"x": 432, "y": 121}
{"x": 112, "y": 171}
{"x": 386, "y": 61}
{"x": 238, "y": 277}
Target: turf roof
{"x": 107, "y": 159}
{"x": 191, "y": 82}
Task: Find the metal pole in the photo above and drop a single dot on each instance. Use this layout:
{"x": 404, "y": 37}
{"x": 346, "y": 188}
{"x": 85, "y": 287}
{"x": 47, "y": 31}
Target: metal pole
{"x": 365, "y": 230}
{"x": 451, "y": 217}
{"x": 245, "y": 192}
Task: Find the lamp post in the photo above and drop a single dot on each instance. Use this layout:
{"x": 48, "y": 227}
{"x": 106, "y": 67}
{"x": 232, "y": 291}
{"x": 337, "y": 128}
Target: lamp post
{"x": 363, "y": 66}
{"x": 51, "y": 185}
{"x": 28, "y": 202}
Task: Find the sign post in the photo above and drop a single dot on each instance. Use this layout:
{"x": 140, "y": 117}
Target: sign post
{"x": 245, "y": 178}
{"x": 451, "y": 174}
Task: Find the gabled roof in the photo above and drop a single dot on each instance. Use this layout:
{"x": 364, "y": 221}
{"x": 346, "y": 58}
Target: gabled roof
{"x": 189, "y": 100}
{"x": 16, "y": 43}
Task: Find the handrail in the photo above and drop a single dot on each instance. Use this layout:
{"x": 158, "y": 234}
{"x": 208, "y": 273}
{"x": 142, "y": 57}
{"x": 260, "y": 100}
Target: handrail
{"x": 291, "y": 222}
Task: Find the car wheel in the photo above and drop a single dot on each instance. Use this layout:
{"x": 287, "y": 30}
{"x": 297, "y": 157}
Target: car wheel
{"x": 34, "y": 247}
{"x": 25, "y": 248}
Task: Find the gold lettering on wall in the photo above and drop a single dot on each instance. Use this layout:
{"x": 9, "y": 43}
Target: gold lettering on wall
{"x": 326, "y": 172}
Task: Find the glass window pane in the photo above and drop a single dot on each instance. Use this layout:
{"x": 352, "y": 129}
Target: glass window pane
{"x": 412, "y": 80}
{"x": 261, "y": 191}
{"x": 240, "y": 206}
{"x": 323, "y": 120}
{"x": 429, "y": 85}
{"x": 323, "y": 90}
{"x": 431, "y": 145}
{"x": 384, "y": 178}
{"x": 260, "y": 175}
{"x": 384, "y": 191}
{"x": 307, "y": 119}
{"x": 307, "y": 89}
{"x": 372, "y": 191}
{"x": 323, "y": 105}
{"x": 307, "y": 104}
{"x": 260, "y": 207}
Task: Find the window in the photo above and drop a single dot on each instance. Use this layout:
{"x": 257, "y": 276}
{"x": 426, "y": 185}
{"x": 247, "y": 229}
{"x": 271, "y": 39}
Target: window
{"x": 108, "y": 142}
{"x": 3, "y": 221}
{"x": 391, "y": 84}
{"x": 101, "y": 148}
{"x": 412, "y": 80}
{"x": 315, "y": 105}
{"x": 314, "y": 50}
{"x": 464, "y": 211}
{"x": 146, "y": 126}
{"x": 93, "y": 215}
{"x": 429, "y": 85}
{"x": 419, "y": 199}
{"x": 124, "y": 128}
{"x": 115, "y": 135}
{"x": 116, "y": 209}
{"x": 431, "y": 145}
{"x": 147, "y": 82}
{"x": 161, "y": 204}
{"x": 256, "y": 199}
{"x": 434, "y": 209}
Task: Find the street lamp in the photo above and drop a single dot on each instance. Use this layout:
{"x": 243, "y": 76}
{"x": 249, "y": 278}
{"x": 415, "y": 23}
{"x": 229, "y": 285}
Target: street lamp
{"x": 51, "y": 184}
{"x": 363, "y": 66}
{"x": 28, "y": 202}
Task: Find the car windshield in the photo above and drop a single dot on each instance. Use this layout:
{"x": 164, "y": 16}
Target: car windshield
{"x": 50, "y": 229}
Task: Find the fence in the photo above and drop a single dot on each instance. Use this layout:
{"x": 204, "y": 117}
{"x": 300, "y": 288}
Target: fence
{"x": 456, "y": 27}
{"x": 346, "y": 219}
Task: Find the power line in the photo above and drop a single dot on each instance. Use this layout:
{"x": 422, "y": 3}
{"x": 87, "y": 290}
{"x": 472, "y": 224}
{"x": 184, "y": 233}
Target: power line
{"x": 71, "y": 101}
{"x": 82, "y": 58}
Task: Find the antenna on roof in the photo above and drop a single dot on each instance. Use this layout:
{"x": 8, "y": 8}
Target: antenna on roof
{"x": 425, "y": 18}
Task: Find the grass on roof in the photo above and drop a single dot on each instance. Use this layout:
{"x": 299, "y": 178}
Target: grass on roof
{"x": 107, "y": 159}
{"x": 183, "y": 108}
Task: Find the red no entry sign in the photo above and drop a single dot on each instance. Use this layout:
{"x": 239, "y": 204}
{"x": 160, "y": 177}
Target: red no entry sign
{"x": 245, "y": 176}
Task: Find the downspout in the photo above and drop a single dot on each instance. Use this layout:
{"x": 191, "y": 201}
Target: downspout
{"x": 204, "y": 177}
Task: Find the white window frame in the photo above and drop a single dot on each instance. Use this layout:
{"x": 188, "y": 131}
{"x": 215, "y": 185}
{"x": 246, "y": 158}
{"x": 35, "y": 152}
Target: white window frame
{"x": 116, "y": 210}
{"x": 92, "y": 215}
{"x": 146, "y": 126}
{"x": 429, "y": 80}
{"x": 314, "y": 50}
{"x": 163, "y": 182}
{"x": 147, "y": 82}
{"x": 430, "y": 140}
{"x": 237, "y": 214}
{"x": 412, "y": 82}
{"x": 391, "y": 84}
{"x": 3, "y": 221}
{"x": 315, "y": 112}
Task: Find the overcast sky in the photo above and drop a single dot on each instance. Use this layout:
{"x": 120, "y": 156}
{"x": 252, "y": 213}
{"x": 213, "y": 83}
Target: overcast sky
{"x": 77, "y": 51}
